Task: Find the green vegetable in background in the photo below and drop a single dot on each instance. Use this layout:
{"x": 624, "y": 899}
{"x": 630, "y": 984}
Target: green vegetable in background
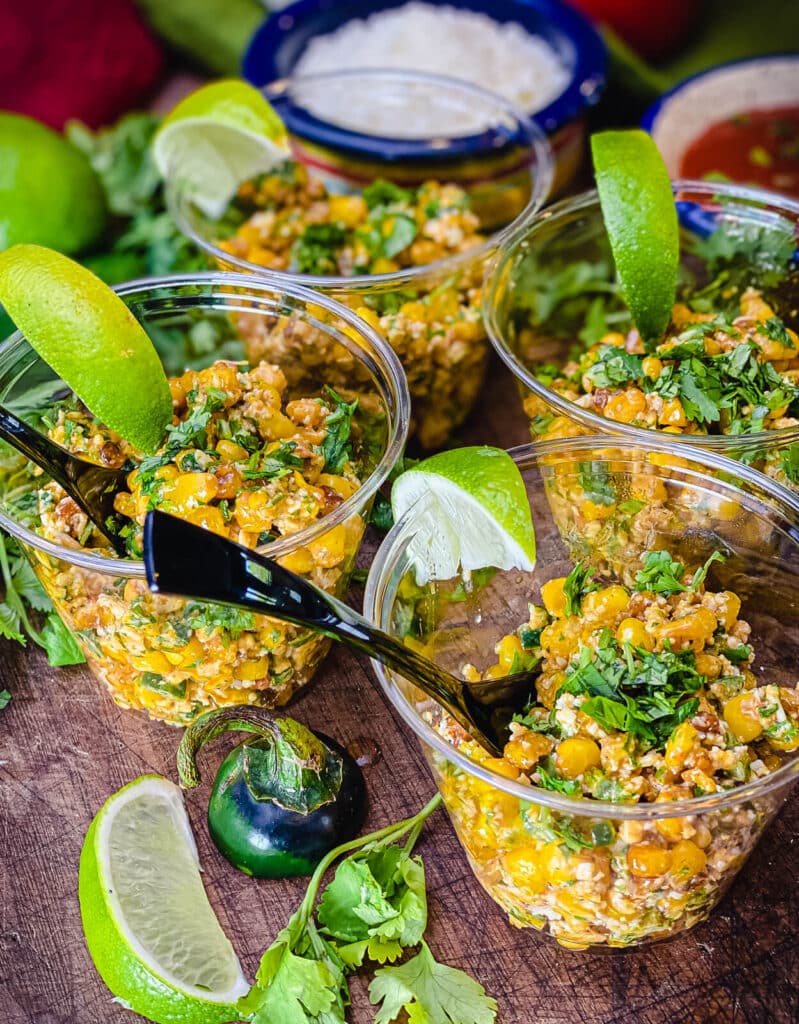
{"x": 282, "y": 799}
{"x": 374, "y": 909}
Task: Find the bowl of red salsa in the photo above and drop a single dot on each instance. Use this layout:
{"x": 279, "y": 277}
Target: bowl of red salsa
{"x": 736, "y": 122}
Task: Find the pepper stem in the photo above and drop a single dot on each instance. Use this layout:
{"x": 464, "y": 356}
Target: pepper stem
{"x": 212, "y": 724}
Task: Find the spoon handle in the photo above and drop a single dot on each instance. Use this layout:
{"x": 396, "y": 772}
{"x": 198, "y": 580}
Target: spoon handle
{"x": 38, "y": 448}
{"x": 187, "y": 560}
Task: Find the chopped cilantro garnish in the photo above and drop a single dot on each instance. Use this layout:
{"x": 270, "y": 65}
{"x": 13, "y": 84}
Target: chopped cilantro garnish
{"x": 576, "y": 586}
{"x": 274, "y": 464}
{"x": 661, "y": 574}
{"x": 385, "y": 193}
{"x": 615, "y": 366}
{"x": 739, "y": 654}
{"x": 548, "y": 778}
{"x": 336, "y": 446}
{"x": 316, "y": 249}
{"x": 595, "y": 481}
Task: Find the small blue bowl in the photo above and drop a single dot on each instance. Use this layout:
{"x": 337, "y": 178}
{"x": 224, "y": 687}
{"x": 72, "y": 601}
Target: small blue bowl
{"x": 277, "y": 45}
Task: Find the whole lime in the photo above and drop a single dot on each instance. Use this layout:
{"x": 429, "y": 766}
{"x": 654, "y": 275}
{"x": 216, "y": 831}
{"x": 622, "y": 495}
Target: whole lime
{"x": 49, "y": 193}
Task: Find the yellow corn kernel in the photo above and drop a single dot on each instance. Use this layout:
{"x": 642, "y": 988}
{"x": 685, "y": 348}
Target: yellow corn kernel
{"x": 384, "y": 266}
{"x": 672, "y": 414}
{"x": 300, "y": 561}
{"x": 575, "y": 755}
{"x": 501, "y": 767}
{"x": 152, "y": 661}
{"x": 652, "y": 367}
{"x": 523, "y": 867}
{"x": 348, "y": 210}
{"x": 526, "y": 750}
{"x": 229, "y": 451}
{"x": 192, "y": 489}
{"x": 614, "y": 338}
{"x": 625, "y": 407}
{"x": 253, "y": 512}
{"x": 687, "y": 860}
{"x": 277, "y": 425}
{"x": 671, "y": 828}
{"x": 604, "y": 605}
{"x": 558, "y": 640}
{"x": 249, "y": 671}
{"x": 741, "y": 715}
{"x": 679, "y": 745}
{"x": 633, "y": 631}
{"x": 508, "y": 648}
{"x": 210, "y": 518}
{"x": 329, "y": 549}
{"x": 593, "y": 511}
{"x": 755, "y": 306}
{"x": 697, "y": 627}
{"x": 553, "y": 597}
{"x": 708, "y": 665}
{"x": 646, "y": 860}
{"x": 729, "y": 605}
{"x": 646, "y": 487}
{"x": 494, "y": 672}
{"x": 340, "y": 484}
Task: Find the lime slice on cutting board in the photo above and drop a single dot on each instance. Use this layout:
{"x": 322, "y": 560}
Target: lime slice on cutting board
{"x": 87, "y": 334}
{"x": 641, "y": 221}
{"x": 49, "y": 193}
{"x": 472, "y": 510}
{"x": 216, "y": 138}
{"x": 149, "y": 927}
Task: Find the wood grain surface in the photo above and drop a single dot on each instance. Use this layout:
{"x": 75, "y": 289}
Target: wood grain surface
{"x": 64, "y": 747}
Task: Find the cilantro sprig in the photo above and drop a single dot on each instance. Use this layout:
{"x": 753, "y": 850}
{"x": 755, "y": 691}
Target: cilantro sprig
{"x": 337, "y": 447}
{"x": 661, "y": 574}
{"x": 374, "y": 909}
{"x": 643, "y": 693}
{"x": 576, "y": 586}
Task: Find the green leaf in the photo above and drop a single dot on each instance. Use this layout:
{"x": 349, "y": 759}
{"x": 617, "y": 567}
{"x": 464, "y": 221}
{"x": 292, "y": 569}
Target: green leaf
{"x": 10, "y": 624}
{"x": 316, "y": 250}
{"x": 615, "y": 366}
{"x": 5, "y": 698}
{"x": 430, "y": 993}
{"x": 294, "y": 989}
{"x": 336, "y": 446}
{"x": 294, "y": 769}
{"x": 27, "y": 585}
{"x": 61, "y": 646}
{"x": 577, "y": 585}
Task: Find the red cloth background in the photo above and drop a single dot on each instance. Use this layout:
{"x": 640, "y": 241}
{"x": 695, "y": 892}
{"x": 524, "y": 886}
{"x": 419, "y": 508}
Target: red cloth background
{"x": 90, "y": 59}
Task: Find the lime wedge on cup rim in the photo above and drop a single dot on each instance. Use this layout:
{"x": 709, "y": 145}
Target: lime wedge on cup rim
{"x": 216, "y": 138}
{"x": 472, "y": 512}
{"x": 87, "y": 334}
{"x": 641, "y": 221}
{"x": 150, "y": 929}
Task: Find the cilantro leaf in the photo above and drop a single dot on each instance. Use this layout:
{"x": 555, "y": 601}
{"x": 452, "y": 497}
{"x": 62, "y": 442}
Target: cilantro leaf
{"x": 386, "y": 193}
{"x": 699, "y": 404}
{"x": 431, "y": 993}
{"x": 5, "y": 699}
{"x": 577, "y": 586}
{"x": 548, "y": 778}
{"x": 660, "y": 574}
{"x": 273, "y": 464}
{"x": 316, "y": 250}
{"x": 595, "y": 480}
{"x": 60, "y": 644}
{"x": 11, "y": 624}
{"x": 615, "y": 366}
{"x": 336, "y": 446}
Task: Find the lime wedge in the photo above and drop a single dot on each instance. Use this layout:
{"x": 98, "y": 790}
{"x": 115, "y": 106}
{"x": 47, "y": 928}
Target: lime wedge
{"x": 472, "y": 511}
{"x": 641, "y": 221}
{"x": 90, "y": 338}
{"x": 216, "y": 138}
{"x": 149, "y": 927}
{"x": 49, "y": 193}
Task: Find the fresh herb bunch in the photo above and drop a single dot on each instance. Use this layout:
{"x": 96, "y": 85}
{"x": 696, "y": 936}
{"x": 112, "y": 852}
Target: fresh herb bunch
{"x": 373, "y": 910}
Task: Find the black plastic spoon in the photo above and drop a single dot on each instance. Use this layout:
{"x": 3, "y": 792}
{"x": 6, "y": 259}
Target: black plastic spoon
{"x": 187, "y": 560}
{"x": 92, "y": 487}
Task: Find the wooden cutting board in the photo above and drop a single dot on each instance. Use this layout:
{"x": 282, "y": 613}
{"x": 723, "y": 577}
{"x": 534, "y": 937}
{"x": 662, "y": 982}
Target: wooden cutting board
{"x": 64, "y": 747}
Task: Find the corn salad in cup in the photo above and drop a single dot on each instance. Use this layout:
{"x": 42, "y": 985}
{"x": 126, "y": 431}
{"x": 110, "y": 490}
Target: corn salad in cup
{"x": 662, "y": 734}
{"x": 725, "y": 374}
{"x": 270, "y": 455}
{"x": 406, "y": 245}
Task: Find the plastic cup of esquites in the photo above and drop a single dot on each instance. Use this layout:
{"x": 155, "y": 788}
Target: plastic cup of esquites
{"x": 724, "y": 377}
{"x": 396, "y": 226}
{"x": 283, "y": 455}
{"x": 663, "y": 732}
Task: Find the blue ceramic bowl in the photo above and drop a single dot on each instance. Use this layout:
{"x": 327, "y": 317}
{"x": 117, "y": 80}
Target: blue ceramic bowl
{"x": 681, "y": 115}
{"x": 277, "y": 45}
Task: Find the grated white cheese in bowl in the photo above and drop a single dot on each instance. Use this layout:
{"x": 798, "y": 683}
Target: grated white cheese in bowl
{"x": 501, "y": 57}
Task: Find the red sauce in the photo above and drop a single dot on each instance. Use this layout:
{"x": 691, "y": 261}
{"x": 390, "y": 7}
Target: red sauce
{"x": 757, "y": 148}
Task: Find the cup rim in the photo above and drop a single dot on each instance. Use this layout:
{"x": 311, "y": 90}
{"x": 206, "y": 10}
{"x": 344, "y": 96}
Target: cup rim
{"x": 592, "y": 421}
{"x": 386, "y": 360}
{"x": 178, "y": 202}
{"x": 376, "y": 610}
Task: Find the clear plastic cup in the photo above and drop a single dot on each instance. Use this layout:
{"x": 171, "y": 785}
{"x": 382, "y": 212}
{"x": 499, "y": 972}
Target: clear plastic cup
{"x": 559, "y": 863}
{"x": 165, "y": 655}
{"x": 430, "y": 313}
{"x": 570, "y": 237}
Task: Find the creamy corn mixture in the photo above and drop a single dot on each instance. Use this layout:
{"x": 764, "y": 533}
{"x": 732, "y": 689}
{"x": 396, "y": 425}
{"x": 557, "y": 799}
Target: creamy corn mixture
{"x": 435, "y": 325}
{"x": 646, "y": 694}
{"x": 709, "y": 375}
{"x": 242, "y": 461}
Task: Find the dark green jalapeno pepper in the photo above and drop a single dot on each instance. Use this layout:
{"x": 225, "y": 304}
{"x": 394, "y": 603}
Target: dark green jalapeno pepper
{"x": 281, "y": 799}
